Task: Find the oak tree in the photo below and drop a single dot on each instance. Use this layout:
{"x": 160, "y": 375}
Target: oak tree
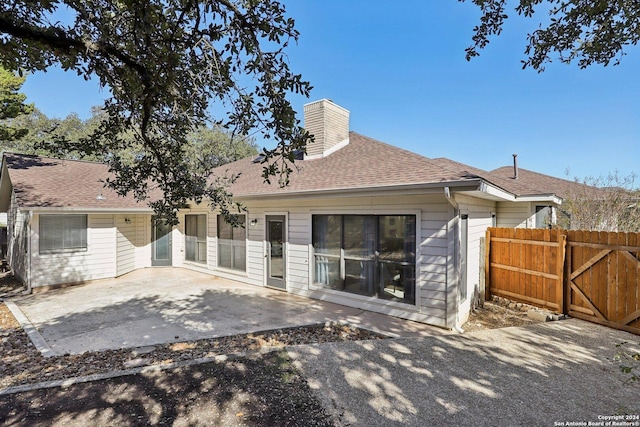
{"x": 586, "y": 31}
{"x": 167, "y": 64}
{"x": 12, "y": 105}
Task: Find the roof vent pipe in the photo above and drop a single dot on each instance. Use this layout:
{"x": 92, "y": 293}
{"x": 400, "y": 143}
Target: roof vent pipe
{"x": 515, "y": 166}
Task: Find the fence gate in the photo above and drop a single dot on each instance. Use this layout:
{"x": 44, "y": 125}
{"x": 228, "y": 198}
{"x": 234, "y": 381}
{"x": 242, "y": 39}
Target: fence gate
{"x": 603, "y": 278}
{"x": 526, "y": 265}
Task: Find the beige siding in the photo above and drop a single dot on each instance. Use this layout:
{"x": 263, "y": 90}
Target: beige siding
{"x": 142, "y": 240}
{"x": 126, "y": 244}
{"x": 299, "y": 227}
{"x": 513, "y": 215}
{"x": 432, "y": 213}
{"x": 212, "y": 233}
{"x": 97, "y": 262}
{"x": 479, "y": 212}
{"x": 255, "y": 273}
{"x": 433, "y": 260}
{"x": 18, "y": 240}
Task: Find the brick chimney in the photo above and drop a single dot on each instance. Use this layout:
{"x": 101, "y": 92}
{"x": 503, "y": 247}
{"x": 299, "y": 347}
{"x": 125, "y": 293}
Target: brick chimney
{"x": 329, "y": 124}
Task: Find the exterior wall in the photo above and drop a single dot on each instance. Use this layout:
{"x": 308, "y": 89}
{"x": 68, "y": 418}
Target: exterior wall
{"x": 257, "y": 249}
{"x": 142, "y": 240}
{"x": 254, "y": 247}
{"x": 133, "y": 239}
{"x": 521, "y": 214}
{"x": 99, "y": 261}
{"x": 513, "y": 215}
{"x": 18, "y": 240}
{"x": 126, "y": 245}
{"x": 114, "y": 247}
{"x": 432, "y": 213}
{"x": 479, "y": 219}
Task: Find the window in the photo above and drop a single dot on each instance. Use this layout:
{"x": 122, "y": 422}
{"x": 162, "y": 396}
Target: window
{"x": 232, "y": 244}
{"x": 63, "y": 233}
{"x": 196, "y": 238}
{"x": 543, "y": 217}
{"x": 372, "y": 255}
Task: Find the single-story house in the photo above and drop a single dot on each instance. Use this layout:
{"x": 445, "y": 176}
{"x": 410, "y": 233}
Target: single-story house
{"x": 362, "y": 223}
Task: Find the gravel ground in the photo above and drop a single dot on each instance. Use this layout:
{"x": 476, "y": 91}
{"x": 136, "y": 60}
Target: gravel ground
{"x": 257, "y": 390}
{"x": 499, "y": 313}
{"x": 23, "y": 364}
{"x": 256, "y": 386}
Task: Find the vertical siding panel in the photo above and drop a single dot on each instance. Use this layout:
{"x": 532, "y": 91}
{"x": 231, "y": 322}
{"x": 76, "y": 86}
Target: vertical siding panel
{"x": 18, "y": 236}
{"x": 142, "y": 240}
{"x": 125, "y": 244}
{"x": 255, "y": 248}
{"x": 299, "y": 226}
{"x": 512, "y": 215}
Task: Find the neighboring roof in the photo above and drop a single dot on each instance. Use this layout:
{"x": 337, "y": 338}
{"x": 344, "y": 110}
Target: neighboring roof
{"x": 537, "y": 183}
{"x": 528, "y": 183}
{"x": 362, "y": 164}
{"x": 53, "y": 183}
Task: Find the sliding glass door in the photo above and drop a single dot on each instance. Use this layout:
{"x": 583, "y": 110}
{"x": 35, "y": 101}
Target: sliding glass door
{"x": 372, "y": 255}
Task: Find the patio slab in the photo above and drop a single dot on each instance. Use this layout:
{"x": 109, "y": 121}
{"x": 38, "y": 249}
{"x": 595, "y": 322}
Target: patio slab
{"x": 160, "y": 305}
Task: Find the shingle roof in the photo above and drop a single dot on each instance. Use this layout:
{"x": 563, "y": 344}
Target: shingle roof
{"x": 362, "y": 164}
{"x": 534, "y": 183}
{"x": 529, "y": 183}
{"x": 47, "y": 182}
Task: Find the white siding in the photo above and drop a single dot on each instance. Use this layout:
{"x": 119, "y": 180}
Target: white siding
{"x": 97, "y": 262}
{"x": 513, "y": 215}
{"x": 433, "y": 259}
{"x": 255, "y": 273}
{"x": 298, "y": 260}
{"x": 436, "y": 258}
{"x": 142, "y": 240}
{"x": 126, "y": 244}
{"x": 178, "y": 241}
{"x": 432, "y": 213}
{"x": 479, "y": 212}
{"x": 18, "y": 240}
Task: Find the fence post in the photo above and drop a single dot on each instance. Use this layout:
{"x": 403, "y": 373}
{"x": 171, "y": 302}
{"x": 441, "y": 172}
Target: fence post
{"x": 560, "y": 291}
{"x": 485, "y": 291}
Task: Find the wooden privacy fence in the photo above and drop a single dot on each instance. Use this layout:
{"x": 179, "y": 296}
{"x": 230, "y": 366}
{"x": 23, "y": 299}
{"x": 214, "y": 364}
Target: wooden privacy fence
{"x": 593, "y": 276}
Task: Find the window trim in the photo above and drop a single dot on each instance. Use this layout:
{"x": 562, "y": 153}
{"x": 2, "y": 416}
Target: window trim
{"x": 60, "y": 250}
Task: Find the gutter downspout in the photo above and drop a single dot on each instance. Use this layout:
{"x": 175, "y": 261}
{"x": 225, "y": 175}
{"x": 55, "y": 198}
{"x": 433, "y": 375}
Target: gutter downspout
{"x": 456, "y": 214}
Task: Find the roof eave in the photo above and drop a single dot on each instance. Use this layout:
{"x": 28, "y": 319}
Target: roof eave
{"x": 468, "y": 185}
{"x": 63, "y": 209}
{"x": 540, "y": 198}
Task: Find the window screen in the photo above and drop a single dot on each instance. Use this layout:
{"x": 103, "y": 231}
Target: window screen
{"x": 62, "y": 233}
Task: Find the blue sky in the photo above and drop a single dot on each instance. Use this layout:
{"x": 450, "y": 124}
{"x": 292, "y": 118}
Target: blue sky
{"x": 399, "y": 68}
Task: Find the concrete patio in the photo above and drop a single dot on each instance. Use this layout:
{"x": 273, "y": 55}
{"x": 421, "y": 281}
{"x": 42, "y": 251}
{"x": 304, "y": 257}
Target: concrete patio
{"x": 160, "y": 305}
